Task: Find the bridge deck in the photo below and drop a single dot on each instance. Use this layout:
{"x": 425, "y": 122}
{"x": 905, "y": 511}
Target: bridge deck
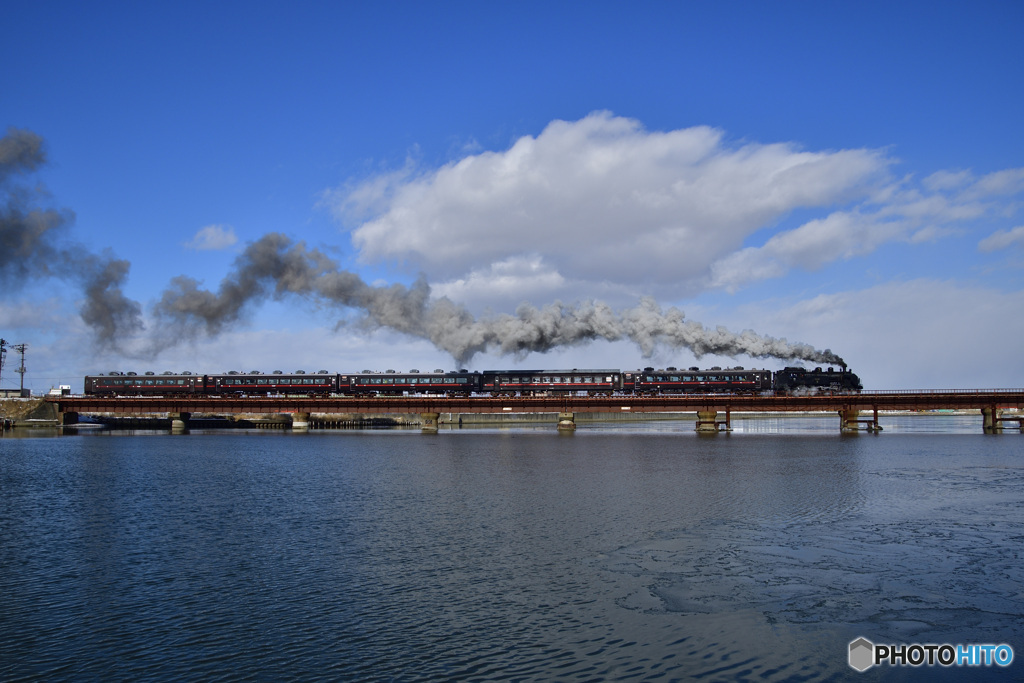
{"x": 881, "y": 400}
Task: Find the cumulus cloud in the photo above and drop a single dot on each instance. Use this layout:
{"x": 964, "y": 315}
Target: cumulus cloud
{"x": 604, "y": 205}
{"x": 212, "y": 238}
{"x": 600, "y": 194}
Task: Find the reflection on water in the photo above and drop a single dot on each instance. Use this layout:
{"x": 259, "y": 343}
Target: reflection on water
{"x": 621, "y": 552}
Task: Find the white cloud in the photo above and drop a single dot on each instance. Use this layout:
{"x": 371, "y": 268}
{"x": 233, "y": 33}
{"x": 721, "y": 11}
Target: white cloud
{"x": 513, "y": 280}
{"x": 1002, "y": 239}
{"x": 947, "y": 180}
{"x": 1007, "y": 182}
{"x": 600, "y": 195}
{"x": 810, "y": 246}
{"x": 601, "y": 205}
{"x": 213, "y": 237}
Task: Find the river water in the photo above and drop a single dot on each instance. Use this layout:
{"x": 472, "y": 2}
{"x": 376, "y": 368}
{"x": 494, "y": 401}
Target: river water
{"x": 630, "y": 552}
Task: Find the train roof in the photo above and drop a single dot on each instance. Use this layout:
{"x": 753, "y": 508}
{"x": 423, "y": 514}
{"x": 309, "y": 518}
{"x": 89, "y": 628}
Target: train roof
{"x": 552, "y": 372}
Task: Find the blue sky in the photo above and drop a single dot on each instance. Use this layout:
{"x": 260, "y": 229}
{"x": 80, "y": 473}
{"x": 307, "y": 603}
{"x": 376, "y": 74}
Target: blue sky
{"x": 848, "y": 176}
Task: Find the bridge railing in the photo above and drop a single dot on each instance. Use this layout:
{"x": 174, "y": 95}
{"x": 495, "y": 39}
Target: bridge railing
{"x": 919, "y": 392}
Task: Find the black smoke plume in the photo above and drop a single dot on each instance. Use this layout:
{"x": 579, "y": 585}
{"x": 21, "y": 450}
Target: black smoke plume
{"x": 33, "y": 245}
{"x": 276, "y": 267}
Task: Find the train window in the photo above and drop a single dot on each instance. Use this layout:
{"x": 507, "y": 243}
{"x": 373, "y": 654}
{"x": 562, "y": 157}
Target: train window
{"x": 461, "y": 380}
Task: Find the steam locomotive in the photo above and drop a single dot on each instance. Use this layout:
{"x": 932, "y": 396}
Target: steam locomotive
{"x": 716, "y": 380}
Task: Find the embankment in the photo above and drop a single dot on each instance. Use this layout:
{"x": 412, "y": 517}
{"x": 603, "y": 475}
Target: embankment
{"x": 28, "y": 412}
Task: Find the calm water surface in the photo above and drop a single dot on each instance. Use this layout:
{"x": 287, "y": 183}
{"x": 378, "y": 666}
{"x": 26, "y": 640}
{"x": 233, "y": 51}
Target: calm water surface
{"x": 616, "y": 553}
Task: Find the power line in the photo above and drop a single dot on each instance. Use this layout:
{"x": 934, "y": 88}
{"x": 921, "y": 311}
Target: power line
{"x": 20, "y": 348}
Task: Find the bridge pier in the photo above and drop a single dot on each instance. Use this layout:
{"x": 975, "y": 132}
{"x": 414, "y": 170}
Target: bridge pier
{"x": 179, "y": 422}
{"x": 300, "y": 422}
{"x": 65, "y": 418}
{"x": 708, "y": 422}
{"x": 849, "y": 421}
{"x": 992, "y": 420}
{"x": 430, "y": 421}
{"x": 566, "y": 422}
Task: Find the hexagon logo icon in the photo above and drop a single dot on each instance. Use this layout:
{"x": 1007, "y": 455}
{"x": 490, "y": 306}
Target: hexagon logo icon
{"x": 862, "y": 654}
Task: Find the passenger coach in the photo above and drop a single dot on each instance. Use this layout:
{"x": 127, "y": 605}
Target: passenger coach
{"x": 696, "y": 381}
{"x": 534, "y": 382}
{"x": 150, "y": 384}
{"x": 460, "y": 383}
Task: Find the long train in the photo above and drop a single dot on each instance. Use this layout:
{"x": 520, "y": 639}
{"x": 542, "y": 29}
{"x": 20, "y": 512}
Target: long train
{"x": 790, "y": 380}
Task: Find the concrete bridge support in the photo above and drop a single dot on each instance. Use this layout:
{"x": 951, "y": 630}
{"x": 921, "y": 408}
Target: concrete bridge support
{"x": 67, "y": 418}
{"x": 566, "y": 422}
{"x": 430, "y": 421}
{"x": 850, "y": 421}
{"x": 179, "y": 422}
{"x": 300, "y": 422}
{"x": 708, "y": 422}
{"x": 992, "y": 420}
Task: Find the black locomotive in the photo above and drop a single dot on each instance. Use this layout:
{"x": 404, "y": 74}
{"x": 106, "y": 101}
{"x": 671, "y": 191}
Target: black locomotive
{"x": 716, "y": 380}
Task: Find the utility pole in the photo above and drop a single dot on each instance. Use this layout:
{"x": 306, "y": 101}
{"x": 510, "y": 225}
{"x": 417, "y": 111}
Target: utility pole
{"x": 20, "y": 348}
{"x": 3, "y": 354}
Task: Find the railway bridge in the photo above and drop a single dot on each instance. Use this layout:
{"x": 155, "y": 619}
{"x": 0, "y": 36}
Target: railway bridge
{"x": 713, "y": 411}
